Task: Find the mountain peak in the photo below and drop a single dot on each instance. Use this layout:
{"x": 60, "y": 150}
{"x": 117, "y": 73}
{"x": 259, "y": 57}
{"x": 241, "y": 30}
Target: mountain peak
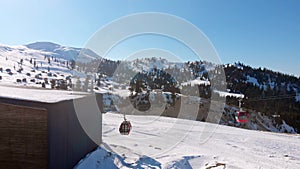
{"x": 46, "y": 46}
{"x": 65, "y": 52}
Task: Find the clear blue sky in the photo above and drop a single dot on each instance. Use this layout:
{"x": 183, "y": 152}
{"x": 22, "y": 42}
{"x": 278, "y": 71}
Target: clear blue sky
{"x": 258, "y": 33}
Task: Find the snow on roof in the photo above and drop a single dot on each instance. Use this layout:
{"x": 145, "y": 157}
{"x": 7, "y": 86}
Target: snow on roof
{"x": 39, "y": 95}
{"x": 225, "y": 94}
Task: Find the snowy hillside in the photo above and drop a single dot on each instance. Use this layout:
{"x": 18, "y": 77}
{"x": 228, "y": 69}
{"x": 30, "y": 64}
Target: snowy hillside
{"x": 139, "y": 65}
{"x": 264, "y": 79}
{"x": 64, "y": 52}
{"x": 161, "y": 142}
{"x": 20, "y": 65}
{"x": 192, "y": 79}
{"x": 41, "y": 64}
{"x": 52, "y": 66}
{"x": 270, "y": 98}
{"x": 267, "y": 91}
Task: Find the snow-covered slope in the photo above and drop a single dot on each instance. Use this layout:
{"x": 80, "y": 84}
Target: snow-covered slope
{"x": 45, "y": 64}
{"x": 41, "y": 62}
{"x": 139, "y": 65}
{"x": 64, "y": 52}
{"x": 20, "y": 65}
{"x": 161, "y": 142}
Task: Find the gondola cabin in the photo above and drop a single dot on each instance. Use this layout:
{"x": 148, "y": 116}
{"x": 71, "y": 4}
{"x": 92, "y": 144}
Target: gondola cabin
{"x": 125, "y": 127}
{"x": 242, "y": 117}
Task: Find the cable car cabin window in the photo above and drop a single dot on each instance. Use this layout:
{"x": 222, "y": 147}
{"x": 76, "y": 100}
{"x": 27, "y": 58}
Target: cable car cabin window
{"x": 125, "y": 128}
{"x": 242, "y": 117}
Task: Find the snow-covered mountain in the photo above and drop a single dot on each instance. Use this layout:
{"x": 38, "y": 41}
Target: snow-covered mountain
{"x": 20, "y": 65}
{"x": 49, "y": 65}
{"x": 271, "y": 98}
{"x": 64, "y": 52}
{"x": 41, "y": 64}
{"x": 267, "y": 91}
